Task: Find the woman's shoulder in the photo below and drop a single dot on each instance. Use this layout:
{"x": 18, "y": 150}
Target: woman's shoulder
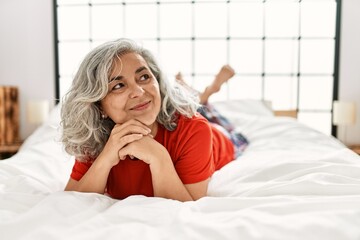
{"x": 197, "y": 117}
{"x": 195, "y": 122}
{"x": 186, "y": 127}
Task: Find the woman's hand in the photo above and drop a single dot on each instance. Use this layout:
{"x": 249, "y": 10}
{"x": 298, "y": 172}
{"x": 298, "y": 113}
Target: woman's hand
{"x": 145, "y": 148}
{"x": 121, "y": 136}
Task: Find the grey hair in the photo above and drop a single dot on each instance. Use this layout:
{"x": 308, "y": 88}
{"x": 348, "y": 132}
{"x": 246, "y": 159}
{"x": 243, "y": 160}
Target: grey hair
{"x": 85, "y": 133}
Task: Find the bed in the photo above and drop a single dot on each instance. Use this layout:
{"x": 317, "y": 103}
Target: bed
{"x": 292, "y": 182}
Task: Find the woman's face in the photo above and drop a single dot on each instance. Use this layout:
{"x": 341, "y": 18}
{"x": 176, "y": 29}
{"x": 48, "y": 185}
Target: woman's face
{"x": 133, "y": 91}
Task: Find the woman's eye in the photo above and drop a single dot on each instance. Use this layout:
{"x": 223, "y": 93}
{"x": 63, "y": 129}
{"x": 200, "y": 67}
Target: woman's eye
{"x": 118, "y": 86}
{"x": 144, "y": 77}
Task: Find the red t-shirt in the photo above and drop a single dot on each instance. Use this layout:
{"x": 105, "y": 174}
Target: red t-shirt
{"x": 196, "y": 148}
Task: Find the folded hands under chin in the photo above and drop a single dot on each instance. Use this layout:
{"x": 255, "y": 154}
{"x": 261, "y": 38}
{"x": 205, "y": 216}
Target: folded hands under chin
{"x": 134, "y": 139}
{"x": 146, "y": 149}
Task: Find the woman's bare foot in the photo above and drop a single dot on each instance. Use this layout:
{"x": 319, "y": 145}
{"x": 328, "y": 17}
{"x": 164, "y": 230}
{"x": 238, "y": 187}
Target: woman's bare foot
{"x": 225, "y": 73}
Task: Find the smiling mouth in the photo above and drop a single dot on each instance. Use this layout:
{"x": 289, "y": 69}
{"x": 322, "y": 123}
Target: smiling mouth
{"x": 141, "y": 106}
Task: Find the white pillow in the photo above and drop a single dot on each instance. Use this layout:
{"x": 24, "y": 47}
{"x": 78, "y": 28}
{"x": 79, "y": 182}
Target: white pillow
{"x": 244, "y": 106}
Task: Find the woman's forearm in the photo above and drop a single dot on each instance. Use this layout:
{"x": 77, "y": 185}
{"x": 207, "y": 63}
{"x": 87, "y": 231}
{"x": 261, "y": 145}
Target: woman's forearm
{"x": 94, "y": 180}
{"x": 166, "y": 182}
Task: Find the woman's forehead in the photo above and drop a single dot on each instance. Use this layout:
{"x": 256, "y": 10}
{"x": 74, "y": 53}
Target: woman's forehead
{"x": 128, "y": 60}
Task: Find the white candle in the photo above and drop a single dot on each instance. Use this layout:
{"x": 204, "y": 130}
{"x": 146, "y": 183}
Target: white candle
{"x": 38, "y": 111}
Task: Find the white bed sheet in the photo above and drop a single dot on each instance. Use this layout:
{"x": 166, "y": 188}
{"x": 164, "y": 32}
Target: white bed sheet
{"x": 292, "y": 182}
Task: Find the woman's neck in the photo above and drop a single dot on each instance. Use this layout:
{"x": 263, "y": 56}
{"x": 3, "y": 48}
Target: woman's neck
{"x": 154, "y": 128}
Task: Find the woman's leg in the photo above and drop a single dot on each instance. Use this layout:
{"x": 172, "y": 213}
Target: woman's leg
{"x": 225, "y": 73}
{"x": 239, "y": 141}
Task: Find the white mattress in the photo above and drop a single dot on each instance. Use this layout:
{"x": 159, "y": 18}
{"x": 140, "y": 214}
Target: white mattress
{"x": 292, "y": 182}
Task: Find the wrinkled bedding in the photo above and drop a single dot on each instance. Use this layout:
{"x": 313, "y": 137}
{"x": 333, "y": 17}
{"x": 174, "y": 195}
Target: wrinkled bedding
{"x": 292, "y": 182}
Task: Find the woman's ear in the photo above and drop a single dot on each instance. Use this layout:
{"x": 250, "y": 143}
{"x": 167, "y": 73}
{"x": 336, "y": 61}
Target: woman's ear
{"x": 102, "y": 113}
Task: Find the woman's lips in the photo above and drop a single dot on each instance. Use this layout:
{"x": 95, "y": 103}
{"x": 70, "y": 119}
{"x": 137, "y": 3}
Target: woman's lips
{"x": 141, "y": 106}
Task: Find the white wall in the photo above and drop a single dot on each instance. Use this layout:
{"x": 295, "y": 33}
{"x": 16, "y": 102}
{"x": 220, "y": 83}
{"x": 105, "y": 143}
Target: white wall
{"x": 27, "y": 55}
{"x": 27, "y": 52}
{"x": 350, "y": 65}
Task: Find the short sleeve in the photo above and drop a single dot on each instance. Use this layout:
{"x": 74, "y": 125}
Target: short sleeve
{"x": 196, "y": 162}
{"x": 79, "y": 169}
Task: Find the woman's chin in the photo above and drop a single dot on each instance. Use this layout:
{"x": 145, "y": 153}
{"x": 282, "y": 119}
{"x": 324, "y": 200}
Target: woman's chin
{"x": 146, "y": 121}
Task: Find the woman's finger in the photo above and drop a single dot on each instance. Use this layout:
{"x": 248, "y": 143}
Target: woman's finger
{"x": 122, "y": 130}
{"x": 127, "y": 140}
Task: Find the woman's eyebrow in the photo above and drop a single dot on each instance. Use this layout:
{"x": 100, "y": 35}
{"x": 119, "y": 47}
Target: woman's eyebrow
{"x": 140, "y": 69}
{"x": 115, "y": 78}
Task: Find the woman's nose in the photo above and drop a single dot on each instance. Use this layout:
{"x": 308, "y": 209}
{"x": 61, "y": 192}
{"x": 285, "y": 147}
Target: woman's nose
{"x": 136, "y": 91}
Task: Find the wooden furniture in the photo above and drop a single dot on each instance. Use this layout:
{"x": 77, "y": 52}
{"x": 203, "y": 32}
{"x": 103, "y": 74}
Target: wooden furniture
{"x": 355, "y": 148}
{"x": 7, "y": 151}
{"x": 285, "y": 113}
{"x": 9, "y": 120}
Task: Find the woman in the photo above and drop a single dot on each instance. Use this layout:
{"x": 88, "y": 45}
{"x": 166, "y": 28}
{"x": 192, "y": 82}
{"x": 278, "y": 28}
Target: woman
{"x": 133, "y": 133}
